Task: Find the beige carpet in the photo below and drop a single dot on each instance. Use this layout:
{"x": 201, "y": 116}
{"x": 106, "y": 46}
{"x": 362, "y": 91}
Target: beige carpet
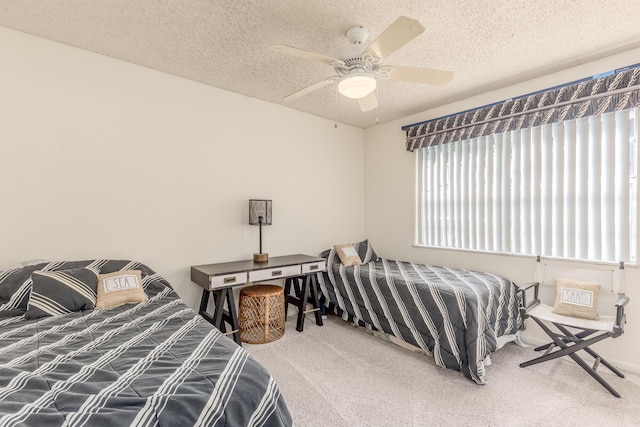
{"x": 338, "y": 375}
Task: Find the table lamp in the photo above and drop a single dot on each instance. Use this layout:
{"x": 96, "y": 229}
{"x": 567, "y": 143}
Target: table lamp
{"x": 260, "y": 214}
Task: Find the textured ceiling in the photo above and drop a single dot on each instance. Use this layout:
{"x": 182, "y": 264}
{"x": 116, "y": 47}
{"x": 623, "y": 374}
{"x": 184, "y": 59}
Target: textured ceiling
{"x": 224, "y": 43}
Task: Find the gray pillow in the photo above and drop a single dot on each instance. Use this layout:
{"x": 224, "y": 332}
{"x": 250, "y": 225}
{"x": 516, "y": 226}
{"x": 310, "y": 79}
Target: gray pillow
{"x": 15, "y": 287}
{"x": 366, "y": 252}
{"x": 62, "y": 291}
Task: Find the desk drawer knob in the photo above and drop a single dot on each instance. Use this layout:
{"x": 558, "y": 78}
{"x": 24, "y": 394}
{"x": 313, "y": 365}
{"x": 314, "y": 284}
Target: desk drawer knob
{"x": 276, "y": 273}
{"x": 313, "y": 267}
{"x": 229, "y": 279}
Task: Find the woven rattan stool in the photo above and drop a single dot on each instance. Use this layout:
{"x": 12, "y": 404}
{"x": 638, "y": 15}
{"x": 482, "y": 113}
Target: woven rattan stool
{"x": 261, "y": 313}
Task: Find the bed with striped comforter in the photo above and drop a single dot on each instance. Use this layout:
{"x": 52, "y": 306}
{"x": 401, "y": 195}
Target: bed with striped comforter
{"x": 460, "y": 316}
{"x": 153, "y": 363}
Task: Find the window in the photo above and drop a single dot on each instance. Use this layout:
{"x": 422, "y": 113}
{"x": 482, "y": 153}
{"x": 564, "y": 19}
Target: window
{"x": 566, "y": 189}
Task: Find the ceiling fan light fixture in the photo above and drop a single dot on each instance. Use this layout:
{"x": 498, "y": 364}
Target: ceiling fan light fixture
{"x": 357, "y": 86}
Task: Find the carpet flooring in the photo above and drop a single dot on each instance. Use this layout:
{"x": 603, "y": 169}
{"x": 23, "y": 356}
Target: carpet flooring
{"x": 339, "y": 375}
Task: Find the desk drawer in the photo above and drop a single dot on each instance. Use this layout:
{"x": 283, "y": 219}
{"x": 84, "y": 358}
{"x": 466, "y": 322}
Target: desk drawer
{"x": 313, "y": 267}
{"x": 274, "y": 273}
{"x": 227, "y": 280}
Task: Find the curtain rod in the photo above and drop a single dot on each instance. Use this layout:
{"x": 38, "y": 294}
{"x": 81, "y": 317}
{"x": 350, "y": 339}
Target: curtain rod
{"x": 596, "y": 76}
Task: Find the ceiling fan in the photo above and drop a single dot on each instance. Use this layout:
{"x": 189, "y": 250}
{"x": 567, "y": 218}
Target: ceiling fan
{"x": 358, "y": 68}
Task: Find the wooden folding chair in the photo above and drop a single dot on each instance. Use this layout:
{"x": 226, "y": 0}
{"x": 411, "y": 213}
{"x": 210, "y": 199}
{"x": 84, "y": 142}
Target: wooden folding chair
{"x": 568, "y": 343}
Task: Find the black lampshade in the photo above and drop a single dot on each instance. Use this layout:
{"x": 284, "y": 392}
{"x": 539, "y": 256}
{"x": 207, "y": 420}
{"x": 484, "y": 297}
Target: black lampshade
{"x": 257, "y": 209}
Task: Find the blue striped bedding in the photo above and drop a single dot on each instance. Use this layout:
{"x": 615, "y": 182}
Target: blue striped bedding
{"x": 457, "y": 315}
{"x": 152, "y": 363}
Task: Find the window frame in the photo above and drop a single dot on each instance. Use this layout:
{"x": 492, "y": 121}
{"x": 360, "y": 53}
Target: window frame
{"x": 634, "y": 252}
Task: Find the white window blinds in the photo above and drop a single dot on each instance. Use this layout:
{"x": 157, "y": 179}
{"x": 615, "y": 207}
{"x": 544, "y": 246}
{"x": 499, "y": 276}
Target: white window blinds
{"x": 565, "y": 189}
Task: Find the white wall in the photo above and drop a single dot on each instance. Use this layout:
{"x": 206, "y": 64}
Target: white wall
{"x": 389, "y": 204}
{"x": 101, "y": 158}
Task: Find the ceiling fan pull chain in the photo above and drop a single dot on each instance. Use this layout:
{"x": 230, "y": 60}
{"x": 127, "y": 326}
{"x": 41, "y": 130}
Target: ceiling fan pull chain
{"x": 335, "y": 110}
{"x": 378, "y": 106}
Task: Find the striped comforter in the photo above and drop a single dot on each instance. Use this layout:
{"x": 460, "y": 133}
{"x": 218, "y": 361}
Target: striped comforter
{"x": 457, "y": 315}
{"x": 154, "y": 363}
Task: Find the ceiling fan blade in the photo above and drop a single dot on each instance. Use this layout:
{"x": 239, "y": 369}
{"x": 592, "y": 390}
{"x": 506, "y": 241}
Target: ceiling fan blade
{"x": 305, "y": 54}
{"x": 428, "y": 76}
{"x": 369, "y": 102}
{"x": 309, "y": 89}
{"x": 399, "y": 33}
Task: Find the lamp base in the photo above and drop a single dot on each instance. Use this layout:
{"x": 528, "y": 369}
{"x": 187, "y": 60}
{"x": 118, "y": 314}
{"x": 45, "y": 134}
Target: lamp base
{"x": 261, "y": 257}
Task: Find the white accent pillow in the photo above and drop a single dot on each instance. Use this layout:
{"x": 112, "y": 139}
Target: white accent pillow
{"x": 577, "y": 299}
{"x": 348, "y": 254}
{"x": 119, "y": 288}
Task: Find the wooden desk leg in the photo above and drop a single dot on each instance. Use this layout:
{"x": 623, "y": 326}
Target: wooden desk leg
{"x": 220, "y": 315}
{"x": 218, "y": 311}
{"x": 287, "y": 291}
{"x": 233, "y": 317}
{"x": 302, "y": 305}
{"x": 308, "y": 292}
{"x": 203, "y": 308}
{"x": 296, "y": 285}
{"x": 204, "y": 301}
{"x": 314, "y": 297}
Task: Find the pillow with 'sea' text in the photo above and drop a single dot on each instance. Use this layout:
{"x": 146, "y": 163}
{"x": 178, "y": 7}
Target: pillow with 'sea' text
{"x": 120, "y": 288}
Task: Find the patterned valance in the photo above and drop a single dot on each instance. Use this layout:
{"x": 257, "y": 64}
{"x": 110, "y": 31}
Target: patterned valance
{"x": 613, "y": 91}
